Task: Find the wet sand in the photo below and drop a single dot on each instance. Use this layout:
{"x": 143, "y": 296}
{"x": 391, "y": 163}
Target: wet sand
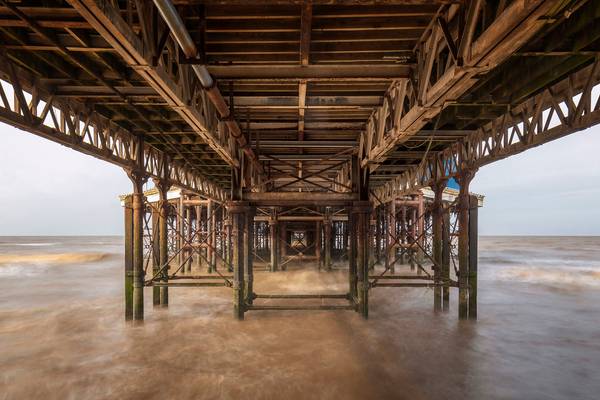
{"x": 62, "y": 334}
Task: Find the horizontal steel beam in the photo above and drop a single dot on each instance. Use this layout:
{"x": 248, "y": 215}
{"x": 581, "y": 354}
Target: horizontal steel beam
{"x": 305, "y": 144}
{"x": 299, "y": 198}
{"x": 304, "y": 157}
{"x": 311, "y": 73}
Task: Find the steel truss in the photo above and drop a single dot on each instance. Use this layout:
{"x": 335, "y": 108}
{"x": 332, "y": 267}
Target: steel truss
{"x": 30, "y": 105}
{"x": 156, "y": 55}
{"x": 559, "y": 110}
{"x": 450, "y": 60}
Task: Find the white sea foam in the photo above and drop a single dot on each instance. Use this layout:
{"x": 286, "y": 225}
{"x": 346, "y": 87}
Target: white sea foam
{"x": 34, "y": 244}
{"x": 20, "y": 270}
{"x": 552, "y": 276}
{"x": 51, "y": 258}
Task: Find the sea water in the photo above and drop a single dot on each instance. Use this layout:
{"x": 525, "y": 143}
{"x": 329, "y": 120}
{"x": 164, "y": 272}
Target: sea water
{"x": 63, "y": 335}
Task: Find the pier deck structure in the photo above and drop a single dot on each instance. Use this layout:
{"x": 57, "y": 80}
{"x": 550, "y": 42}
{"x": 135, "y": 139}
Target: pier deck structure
{"x": 300, "y": 130}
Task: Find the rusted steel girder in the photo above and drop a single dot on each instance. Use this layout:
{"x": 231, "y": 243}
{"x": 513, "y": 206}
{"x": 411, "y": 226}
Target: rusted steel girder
{"x": 513, "y": 27}
{"x": 538, "y": 120}
{"x": 198, "y": 108}
{"x": 179, "y": 31}
{"x": 86, "y": 131}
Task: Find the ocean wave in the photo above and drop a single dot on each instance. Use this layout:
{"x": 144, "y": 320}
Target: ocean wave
{"x": 554, "y": 277}
{"x": 29, "y": 244}
{"x": 52, "y": 258}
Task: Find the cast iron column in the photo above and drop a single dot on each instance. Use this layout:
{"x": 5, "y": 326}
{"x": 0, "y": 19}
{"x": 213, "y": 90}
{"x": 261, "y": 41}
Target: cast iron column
{"x": 128, "y": 211}
{"x": 352, "y": 254}
{"x": 249, "y": 255}
{"x": 138, "y": 179}
{"x": 209, "y": 233}
{"x": 327, "y": 228}
{"x": 473, "y": 209}
{"x": 155, "y": 241}
{"x": 437, "y": 226}
{"x": 163, "y": 240}
{"x": 273, "y": 233}
{"x": 464, "y": 180}
{"x": 318, "y": 242}
{"x": 446, "y": 243}
{"x": 392, "y": 237}
{"x": 198, "y": 241}
{"x": 362, "y": 211}
{"x": 237, "y": 211}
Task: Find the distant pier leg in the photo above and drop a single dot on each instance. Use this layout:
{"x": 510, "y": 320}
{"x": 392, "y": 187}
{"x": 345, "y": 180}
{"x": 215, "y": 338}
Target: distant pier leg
{"x": 198, "y": 239}
{"x": 446, "y": 259}
{"x": 327, "y": 226}
{"x": 318, "y": 243}
{"x": 437, "y": 227}
{"x": 273, "y": 240}
{"x": 352, "y": 263}
{"x": 155, "y": 221}
{"x": 249, "y": 256}
{"x": 392, "y": 239}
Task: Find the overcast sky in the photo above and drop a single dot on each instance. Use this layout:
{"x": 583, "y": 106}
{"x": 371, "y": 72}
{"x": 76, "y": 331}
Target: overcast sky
{"x": 48, "y": 189}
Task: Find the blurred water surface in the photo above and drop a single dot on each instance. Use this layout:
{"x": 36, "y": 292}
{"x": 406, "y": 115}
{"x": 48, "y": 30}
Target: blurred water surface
{"x": 62, "y": 333}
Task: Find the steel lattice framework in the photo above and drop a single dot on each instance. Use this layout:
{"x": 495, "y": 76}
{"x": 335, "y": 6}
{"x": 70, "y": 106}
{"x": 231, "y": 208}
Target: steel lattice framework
{"x": 80, "y": 128}
{"x": 566, "y": 107}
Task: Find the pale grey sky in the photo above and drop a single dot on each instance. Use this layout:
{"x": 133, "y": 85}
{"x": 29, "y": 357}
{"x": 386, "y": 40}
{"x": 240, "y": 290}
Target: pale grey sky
{"x": 48, "y": 189}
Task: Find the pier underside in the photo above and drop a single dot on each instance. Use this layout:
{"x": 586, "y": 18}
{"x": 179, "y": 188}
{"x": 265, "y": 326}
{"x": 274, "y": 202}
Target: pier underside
{"x": 288, "y": 133}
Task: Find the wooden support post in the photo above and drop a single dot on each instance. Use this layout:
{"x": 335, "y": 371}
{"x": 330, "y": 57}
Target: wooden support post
{"x": 473, "y": 254}
{"x": 128, "y": 211}
{"x": 273, "y": 242}
{"x": 437, "y": 227}
{"x": 138, "y": 178}
{"x": 446, "y": 238}
{"x": 155, "y": 240}
{"x": 464, "y": 180}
